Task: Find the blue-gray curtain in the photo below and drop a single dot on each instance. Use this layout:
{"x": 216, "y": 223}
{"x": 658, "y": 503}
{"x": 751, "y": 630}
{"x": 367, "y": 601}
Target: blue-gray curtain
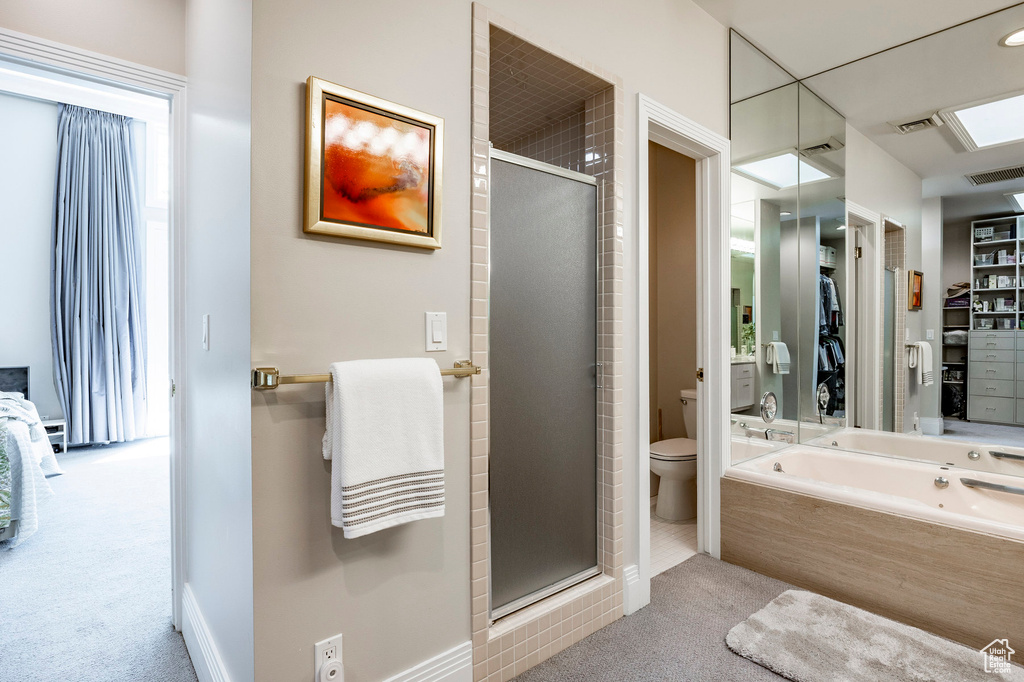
{"x": 97, "y": 311}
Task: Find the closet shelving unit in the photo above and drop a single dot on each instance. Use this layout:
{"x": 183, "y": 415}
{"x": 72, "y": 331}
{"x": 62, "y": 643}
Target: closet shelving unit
{"x": 954, "y": 355}
{"x": 1011, "y": 229}
{"x": 827, "y": 265}
{"x": 996, "y": 335}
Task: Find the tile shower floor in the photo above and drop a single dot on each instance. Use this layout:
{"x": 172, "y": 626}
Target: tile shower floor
{"x": 672, "y": 542}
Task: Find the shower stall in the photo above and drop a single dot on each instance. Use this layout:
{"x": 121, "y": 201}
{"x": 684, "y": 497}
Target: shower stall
{"x": 889, "y": 351}
{"x": 544, "y": 377}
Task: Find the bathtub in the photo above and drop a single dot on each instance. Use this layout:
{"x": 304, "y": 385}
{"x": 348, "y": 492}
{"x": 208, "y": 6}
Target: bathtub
{"x": 975, "y": 456}
{"x": 746, "y": 446}
{"x": 877, "y": 532}
{"x": 894, "y": 485}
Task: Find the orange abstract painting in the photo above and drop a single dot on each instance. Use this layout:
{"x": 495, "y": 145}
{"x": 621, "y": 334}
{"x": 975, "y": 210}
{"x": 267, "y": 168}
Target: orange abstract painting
{"x": 373, "y": 168}
{"x": 376, "y": 169}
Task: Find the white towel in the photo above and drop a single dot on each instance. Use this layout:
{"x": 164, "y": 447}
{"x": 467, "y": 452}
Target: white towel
{"x": 921, "y": 359}
{"x": 778, "y": 357}
{"x": 385, "y": 437}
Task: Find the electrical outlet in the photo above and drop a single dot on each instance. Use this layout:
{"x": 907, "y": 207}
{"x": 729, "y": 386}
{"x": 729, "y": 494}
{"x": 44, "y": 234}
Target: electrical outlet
{"x": 325, "y": 652}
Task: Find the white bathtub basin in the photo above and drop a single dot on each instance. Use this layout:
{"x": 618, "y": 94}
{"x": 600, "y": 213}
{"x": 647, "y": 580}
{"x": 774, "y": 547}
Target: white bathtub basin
{"x": 924, "y": 448}
{"x": 895, "y": 485}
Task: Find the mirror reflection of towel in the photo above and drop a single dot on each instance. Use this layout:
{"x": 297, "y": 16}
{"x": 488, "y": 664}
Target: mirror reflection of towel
{"x": 778, "y": 357}
{"x": 921, "y": 359}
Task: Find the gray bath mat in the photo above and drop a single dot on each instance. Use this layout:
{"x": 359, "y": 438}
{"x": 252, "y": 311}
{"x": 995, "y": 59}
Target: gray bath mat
{"x": 809, "y": 638}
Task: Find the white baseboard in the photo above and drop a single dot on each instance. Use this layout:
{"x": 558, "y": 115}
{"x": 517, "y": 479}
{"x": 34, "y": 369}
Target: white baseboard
{"x": 931, "y": 426}
{"x": 632, "y": 594}
{"x": 454, "y": 665}
{"x": 199, "y": 642}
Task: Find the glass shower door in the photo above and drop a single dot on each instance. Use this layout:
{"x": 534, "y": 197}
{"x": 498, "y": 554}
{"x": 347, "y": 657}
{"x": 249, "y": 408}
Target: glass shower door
{"x": 543, "y": 381}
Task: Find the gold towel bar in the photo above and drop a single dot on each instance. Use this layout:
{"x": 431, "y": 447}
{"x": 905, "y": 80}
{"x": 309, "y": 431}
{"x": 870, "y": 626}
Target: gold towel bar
{"x": 265, "y": 378}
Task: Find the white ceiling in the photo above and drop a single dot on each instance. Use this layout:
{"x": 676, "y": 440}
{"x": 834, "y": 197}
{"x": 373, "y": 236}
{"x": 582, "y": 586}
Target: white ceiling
{"x": 809, "y": 36}
{"x": 955, "y": 67}
{"x": 976, "y": 205}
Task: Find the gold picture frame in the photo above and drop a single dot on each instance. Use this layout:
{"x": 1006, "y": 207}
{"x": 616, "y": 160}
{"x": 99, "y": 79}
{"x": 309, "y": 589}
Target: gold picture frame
{"x": 373, "y": 168}
{"x": 915, "y": 286}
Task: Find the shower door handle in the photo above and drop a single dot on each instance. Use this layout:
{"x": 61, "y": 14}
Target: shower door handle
{"x": 599, "y": 373}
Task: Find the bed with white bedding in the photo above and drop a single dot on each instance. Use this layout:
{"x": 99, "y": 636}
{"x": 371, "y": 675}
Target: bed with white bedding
{"x": 29, "y": 460}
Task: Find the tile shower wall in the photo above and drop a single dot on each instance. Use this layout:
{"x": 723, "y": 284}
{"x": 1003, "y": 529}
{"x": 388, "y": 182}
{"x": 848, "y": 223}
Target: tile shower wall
{"x": 521, "y": 640}
{"x": 895, "y": 258}
{"x": 560, "y": 144}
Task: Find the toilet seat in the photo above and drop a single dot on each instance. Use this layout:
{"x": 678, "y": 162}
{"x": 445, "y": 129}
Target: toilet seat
{"x": 674, "y": 450}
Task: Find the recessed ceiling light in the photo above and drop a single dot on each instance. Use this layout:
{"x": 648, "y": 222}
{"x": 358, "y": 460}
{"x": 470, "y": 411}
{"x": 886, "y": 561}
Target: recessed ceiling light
{"x": 990, "y": 123}
{"x": 785, "y": 214}
{"x": 1015, "y": 39}
{"x": 841, "y": 227}
{"x": 781, "y": 171}
{"x": 1016, "y": 199}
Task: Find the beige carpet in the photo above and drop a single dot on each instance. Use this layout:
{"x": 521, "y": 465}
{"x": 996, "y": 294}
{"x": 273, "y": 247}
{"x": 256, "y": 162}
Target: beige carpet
{"x": 809, "y": 638}
{"x": 88, "y": 597}
{"x": 679, "y": 637}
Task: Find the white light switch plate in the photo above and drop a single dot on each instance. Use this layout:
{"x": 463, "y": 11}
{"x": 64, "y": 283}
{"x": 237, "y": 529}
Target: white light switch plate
{"x": 436, "y": 331}
{"x": 929, "y": 335}
{"x": 775, "y": 336}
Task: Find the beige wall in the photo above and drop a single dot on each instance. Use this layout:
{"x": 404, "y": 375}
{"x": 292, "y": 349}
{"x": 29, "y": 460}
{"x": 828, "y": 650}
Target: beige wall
{"x": 149, "y": 32}
{"x": 400, "y": 596}
{"x": 932, "y": 295}
{"x": 674, "y": 296}
{"x": 878, "y": 182}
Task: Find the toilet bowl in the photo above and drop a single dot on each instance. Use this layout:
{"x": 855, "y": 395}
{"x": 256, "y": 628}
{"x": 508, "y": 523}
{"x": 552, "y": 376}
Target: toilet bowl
{"x": 674, "y": 460}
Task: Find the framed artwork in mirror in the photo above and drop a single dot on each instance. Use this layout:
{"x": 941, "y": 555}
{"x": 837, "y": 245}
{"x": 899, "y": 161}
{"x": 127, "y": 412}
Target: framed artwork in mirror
{"x": 914, "y": 290}
{"x": 373, "y": 168}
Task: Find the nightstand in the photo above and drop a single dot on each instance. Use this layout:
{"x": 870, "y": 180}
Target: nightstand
{"x": 57, "y": 428}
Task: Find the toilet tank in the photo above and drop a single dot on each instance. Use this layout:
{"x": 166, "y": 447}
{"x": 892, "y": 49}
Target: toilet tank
{"x": 688, "y": 396}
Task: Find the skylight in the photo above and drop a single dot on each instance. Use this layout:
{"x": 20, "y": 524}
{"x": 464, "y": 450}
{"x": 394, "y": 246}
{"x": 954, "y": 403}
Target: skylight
{"x": 782, "y": 171}
{"x": 1016, "y": 199}
{"x": 989, "y": 124}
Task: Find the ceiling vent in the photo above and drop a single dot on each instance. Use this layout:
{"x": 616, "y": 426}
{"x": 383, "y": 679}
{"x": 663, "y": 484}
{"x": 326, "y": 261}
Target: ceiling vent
{"x": 906, "y": 127}
{"x": 830, "y": 145}
{"x": 997, "y": 175}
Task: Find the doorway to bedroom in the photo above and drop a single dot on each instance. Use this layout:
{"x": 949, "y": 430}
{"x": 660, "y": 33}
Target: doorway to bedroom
{"x": 86, "y": 550}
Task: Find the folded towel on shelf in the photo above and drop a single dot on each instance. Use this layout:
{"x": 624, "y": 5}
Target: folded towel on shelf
{"x": 777, "y": 356}
{"x": 385, "y": 439}
{"x": 921, "y": 359}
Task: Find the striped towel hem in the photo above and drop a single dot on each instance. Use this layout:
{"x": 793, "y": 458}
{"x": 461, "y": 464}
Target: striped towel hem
{"x": 373, "y": 505}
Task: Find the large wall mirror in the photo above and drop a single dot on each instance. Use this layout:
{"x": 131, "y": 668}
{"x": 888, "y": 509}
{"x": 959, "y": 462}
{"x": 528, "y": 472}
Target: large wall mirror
{"x": 877, "y": 240}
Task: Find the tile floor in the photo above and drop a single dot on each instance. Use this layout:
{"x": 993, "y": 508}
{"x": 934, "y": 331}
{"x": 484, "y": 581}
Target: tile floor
{"x": 672, "y": 542}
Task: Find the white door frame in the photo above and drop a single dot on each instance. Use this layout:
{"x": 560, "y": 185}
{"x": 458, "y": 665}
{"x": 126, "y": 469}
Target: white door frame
{"x": 657, "y": 123}
{"x": 868, "y": 311}
{"x": 136, "y": 77}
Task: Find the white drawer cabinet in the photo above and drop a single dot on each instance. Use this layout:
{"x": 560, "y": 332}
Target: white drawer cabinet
{"x": 744, "y": 390}
{"x": 994, "y": 379}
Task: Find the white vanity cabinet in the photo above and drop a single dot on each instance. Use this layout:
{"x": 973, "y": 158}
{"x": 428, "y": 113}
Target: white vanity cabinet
{"x": 744, "y": 391}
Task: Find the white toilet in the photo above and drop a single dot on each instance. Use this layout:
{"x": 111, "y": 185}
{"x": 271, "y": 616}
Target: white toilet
{"x": 674, "y": 460}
